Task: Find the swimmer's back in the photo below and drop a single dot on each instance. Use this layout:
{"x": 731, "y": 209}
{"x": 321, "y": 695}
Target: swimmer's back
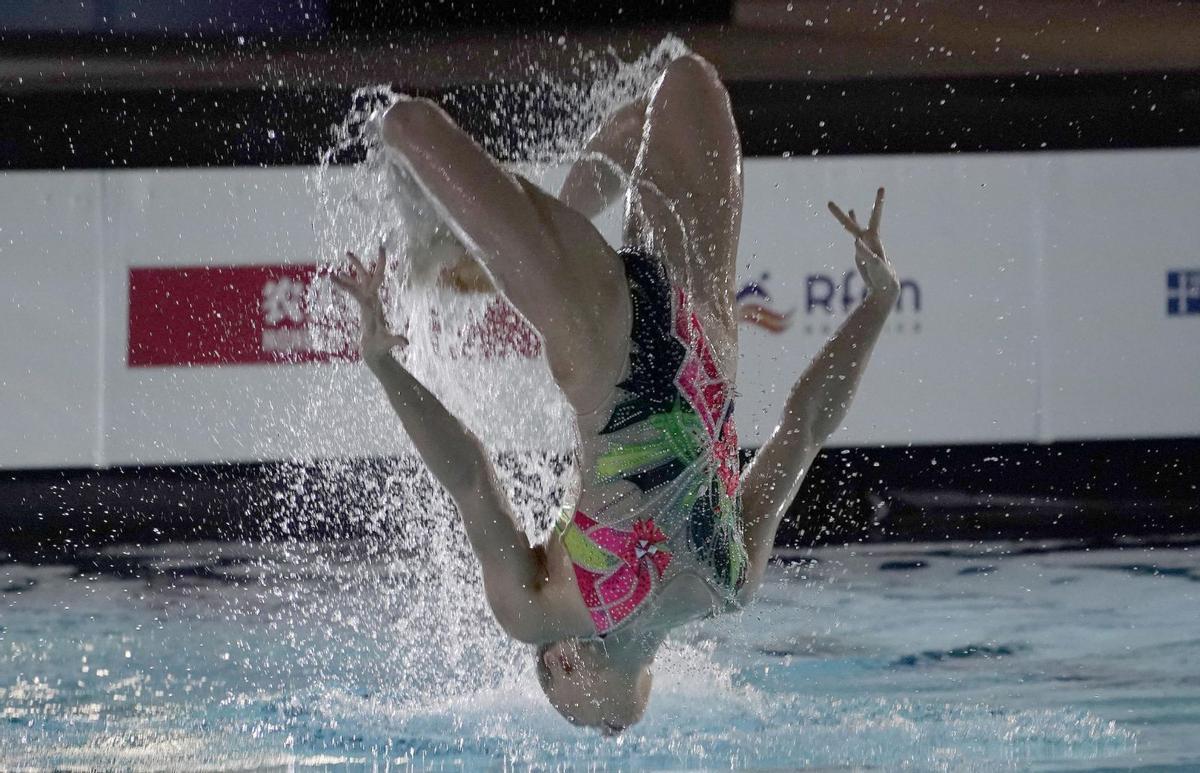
{"x": 656, "y": 532}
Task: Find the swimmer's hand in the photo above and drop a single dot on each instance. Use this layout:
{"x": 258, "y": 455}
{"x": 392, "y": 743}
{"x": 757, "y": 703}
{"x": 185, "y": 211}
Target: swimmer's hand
{"x": 377, "y": 340}
{"x": 873, "y": 265}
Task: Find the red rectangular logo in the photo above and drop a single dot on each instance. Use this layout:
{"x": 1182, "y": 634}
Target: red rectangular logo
{"x": 222, "y": 315}
{"x": 258, "y": 315}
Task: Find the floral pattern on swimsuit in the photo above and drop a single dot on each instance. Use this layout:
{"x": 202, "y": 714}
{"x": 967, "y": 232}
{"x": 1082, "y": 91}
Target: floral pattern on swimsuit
{"x": 672, "y": 435}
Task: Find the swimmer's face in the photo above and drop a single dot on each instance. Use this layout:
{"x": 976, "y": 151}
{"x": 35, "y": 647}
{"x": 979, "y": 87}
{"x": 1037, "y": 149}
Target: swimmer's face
{"x": 589, "y": 689}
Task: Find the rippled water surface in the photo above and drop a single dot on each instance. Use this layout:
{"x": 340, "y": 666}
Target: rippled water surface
{"x": 928, "y": 657}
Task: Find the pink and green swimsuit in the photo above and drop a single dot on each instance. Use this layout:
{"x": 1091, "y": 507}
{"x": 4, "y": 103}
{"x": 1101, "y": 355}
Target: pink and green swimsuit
{"x": 671, "y": 434}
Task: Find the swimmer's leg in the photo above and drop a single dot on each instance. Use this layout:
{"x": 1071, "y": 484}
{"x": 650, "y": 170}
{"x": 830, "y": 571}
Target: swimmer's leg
{"x": 602, "y": 172}
{"x": 685, "y": 199}
{"x": 547, "y": 259}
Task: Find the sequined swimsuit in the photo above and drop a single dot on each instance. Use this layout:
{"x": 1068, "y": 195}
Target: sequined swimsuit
{"x": 669, "y": 432}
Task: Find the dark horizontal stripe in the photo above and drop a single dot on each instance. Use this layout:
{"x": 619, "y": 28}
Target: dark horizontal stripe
{"x": 376, "y": 15}
{"x": 1045, "y": 112}
{"x": 1097, "y": 493}
{"x": 324, "y": 18}
{"x": 179, "y": 128}
{"x": 114, "y": 20}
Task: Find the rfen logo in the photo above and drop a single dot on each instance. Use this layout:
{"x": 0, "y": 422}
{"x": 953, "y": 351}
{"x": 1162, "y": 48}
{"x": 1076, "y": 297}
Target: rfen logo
{"x": 1183, "y": 292}
{"x": 825, "y": 296}
{"x": 824, "y": 292}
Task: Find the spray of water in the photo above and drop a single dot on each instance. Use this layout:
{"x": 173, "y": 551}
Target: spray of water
{"x": 416, "y": 587}
{"x": 375, "y": 646}
{"x": 380, "y": 642}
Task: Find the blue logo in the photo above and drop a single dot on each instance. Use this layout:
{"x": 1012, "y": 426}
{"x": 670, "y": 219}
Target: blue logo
{"x": 1183, "y": 292}
{"x": 825, "y": 296}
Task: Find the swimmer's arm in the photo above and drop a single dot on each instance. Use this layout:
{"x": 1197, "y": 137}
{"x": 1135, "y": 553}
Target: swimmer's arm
{"x": 815, "y": 408}
{"x": 513, "y": 570}
{"x": 818, "y": 401}
{"x": 602, "y": 172}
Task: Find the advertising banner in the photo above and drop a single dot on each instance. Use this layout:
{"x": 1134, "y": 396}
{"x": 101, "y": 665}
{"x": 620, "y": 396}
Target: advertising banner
{"x": 161, "y": 316}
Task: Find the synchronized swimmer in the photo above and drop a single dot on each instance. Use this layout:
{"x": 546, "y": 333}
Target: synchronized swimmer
{"x": 643, "y": 342}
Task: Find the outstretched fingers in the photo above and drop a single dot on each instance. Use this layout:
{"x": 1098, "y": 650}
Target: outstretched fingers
{"x": 346, "y": 284}
{"x": 848, "y": 222}
{"x": 876, "y": 212}
{"x": 360, "y": 281}
{"x": 379, "y": 270}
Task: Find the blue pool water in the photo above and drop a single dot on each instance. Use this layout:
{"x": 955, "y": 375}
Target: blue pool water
{"x": 924, "y": 657}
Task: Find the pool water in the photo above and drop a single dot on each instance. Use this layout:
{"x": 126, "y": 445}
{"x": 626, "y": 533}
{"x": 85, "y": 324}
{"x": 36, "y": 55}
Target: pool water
{"x": 930, "y": 657}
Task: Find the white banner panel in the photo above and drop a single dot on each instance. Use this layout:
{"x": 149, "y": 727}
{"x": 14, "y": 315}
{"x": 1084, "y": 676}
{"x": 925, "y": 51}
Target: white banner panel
{"x": 234, "y": 413}
{"x": 196, "y": 414}
{"x": 51, "y": 328}
{"x": 957, "y": 361}
{"x": 1118, "y": 361}
{"x": 1035, "y": 307}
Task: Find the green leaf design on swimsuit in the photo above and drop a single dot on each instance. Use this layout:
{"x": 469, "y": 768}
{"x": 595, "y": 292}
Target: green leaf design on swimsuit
{"x": 586, "y": 553}
{"x": 679, "y": 432}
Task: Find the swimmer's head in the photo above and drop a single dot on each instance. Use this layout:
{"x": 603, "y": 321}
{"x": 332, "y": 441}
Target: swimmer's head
{"x": 592, "y": 689}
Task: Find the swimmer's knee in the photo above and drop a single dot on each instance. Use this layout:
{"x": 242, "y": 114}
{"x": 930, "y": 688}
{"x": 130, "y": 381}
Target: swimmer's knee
{"x": 689, "y": 94}
{"x": 413, "y": 120}
{"x": 692, "y": 72}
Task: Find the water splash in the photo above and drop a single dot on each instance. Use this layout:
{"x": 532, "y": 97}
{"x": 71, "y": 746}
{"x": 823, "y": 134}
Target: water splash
{"x": 155, "y": 695}
{"x": 429, "y": 637}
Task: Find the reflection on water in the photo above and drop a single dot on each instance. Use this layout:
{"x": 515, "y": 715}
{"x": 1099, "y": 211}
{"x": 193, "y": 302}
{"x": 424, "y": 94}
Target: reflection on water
{"x": 230, "y": 656}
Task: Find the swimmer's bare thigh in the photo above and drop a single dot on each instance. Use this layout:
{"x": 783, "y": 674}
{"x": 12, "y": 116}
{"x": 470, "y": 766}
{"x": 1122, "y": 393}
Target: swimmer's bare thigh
{"x": 685, "y": 198}
{"x": 547, "y": 259}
